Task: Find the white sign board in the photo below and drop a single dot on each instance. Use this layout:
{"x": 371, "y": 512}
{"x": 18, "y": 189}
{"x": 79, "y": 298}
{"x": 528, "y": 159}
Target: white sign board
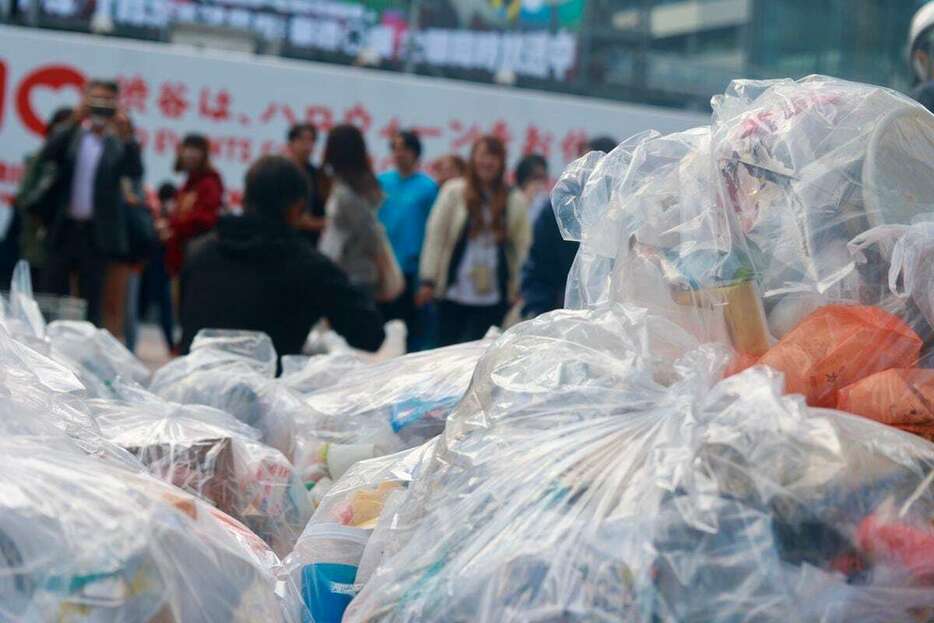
{"x": 245, "y": 105}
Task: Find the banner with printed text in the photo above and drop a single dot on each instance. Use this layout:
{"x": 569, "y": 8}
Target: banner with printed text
{"x": 245, "y": 105}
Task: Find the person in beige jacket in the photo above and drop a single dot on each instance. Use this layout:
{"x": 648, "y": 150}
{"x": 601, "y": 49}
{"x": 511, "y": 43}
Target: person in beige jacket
{"x": 478, "y": 236}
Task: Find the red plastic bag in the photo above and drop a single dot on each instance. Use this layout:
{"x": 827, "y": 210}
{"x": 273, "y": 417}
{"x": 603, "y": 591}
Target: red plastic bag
{"x": 903, "y": 398}
{"x": 838, "y": 345}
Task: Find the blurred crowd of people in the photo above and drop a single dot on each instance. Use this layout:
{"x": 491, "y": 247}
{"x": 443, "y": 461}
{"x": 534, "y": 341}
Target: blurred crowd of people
{"x": 450, "y": 253}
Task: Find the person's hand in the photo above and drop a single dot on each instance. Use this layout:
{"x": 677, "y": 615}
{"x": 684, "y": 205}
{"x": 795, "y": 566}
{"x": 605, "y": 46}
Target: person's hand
{"x": 424, "y": 295}
{"x": 163, "y": 229}
{"x": 308, "y": 222}
{"x": 186, "y": 202}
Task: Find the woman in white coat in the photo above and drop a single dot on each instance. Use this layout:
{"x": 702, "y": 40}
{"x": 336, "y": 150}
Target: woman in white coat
{"x": 477, "y": 238}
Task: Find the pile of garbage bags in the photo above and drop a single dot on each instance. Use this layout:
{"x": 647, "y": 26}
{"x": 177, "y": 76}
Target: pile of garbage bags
{"x": 84, "y": 540}
{"x": 87, "y": 534}
{"x": 731, "y": 421}
{"x": 584, "y": 479}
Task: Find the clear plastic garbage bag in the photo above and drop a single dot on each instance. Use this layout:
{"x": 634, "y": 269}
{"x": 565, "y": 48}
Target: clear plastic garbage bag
{"x": 381, "y": 409}
{"x": 214, "y": 456}
{"x": 83, "y": 541}
{"x": 234, "y": 371}
{"x": 807, "y": 166}
{"x": 802, "y": 203}
{"x": 216, "y": 348}
{"x": 322, "y": 340}
{"x": 97, "y": 355}
{"x": 21, "y": 315}
{"x": 741, "y": 229}
{"x": 581, "y": 199}
{"x": 582, "y": 478}
{"x": 306, "y": 375}
{"x": 327, "y": 560}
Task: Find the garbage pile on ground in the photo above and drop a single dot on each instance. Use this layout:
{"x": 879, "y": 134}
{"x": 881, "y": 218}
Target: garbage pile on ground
{"x": 211, "y": 446}
{"x": 86, "y": 533}
{"x": 731, "y": 421}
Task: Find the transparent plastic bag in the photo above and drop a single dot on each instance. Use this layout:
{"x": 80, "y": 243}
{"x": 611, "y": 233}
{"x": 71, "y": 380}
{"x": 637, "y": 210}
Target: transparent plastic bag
{"x": 23, "y": 318}
{"x": 84, "y": 541}
{"x": 306, "y": 375}
{"x": 99, "y": 356}
{"x": 234, "y": 371}
{"x": 808, "y": 166}
{"x": 381, "y": 409}
{"x": 802, "y": 199}
{"x": 322, "y": 340}
{"x": 213, "y": 455}
{"x": 594, "y": 492}
{"x": 337, "y": 538}
{"x": 765, "y": 201}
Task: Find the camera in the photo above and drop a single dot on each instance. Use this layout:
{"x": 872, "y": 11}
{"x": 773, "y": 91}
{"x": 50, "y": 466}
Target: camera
{"x": 98, "y": 110}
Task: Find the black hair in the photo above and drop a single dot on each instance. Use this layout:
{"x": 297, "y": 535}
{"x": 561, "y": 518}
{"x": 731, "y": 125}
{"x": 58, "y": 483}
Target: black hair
{"x": 345, "y": 153}
{"x": 606, "y": 144}
{"x": 110, "y": 85}
{"x": 529, "y": 167}
{"x": 273, "y": 185}
{"x": 411, "y": 141}
{"x": 198, "y": 141}
{"x": 166, "y": 191}
{"x": 296, "y": 130}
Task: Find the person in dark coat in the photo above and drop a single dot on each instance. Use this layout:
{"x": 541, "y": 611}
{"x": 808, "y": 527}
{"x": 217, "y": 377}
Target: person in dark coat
{"x": 83, "y": 211}
{"x": 301, "y": 145}
{"x": 545, "y": 273}
{"x": 257, "y": 272}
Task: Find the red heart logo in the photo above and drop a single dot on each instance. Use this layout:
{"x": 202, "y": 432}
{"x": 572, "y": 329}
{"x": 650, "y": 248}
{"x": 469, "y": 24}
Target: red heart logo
{"x": 54, "y": 77}
{"x": 2, "y": 91}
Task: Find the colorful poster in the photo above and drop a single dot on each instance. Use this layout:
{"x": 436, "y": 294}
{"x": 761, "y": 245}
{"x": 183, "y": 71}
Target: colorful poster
{"x": 535, "y": 38}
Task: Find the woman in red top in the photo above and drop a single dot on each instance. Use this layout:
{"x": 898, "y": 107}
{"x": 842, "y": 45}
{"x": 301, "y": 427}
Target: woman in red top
{"x": 198, "y": 204}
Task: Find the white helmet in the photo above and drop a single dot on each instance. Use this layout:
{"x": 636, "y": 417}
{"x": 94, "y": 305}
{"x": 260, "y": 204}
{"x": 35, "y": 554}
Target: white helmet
{"x": 922, "y": 21}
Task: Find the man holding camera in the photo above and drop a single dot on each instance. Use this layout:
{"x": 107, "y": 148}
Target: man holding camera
{"x": 92, "y": 158}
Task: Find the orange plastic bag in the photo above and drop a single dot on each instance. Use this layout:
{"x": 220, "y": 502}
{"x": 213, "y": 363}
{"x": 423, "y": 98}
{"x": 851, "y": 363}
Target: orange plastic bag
{"x": 838, "y": 345}
{"x": 903, "y": 398}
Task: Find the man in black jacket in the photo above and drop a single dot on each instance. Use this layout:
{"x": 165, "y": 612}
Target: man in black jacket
{"x": 83, "y": 212}
{"x": 257, "y": 272}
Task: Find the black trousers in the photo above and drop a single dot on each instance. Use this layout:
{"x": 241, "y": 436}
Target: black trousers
{"x": 466, "y": 323}
{"x": 74, "y": 251}
{"x": 156, "y": 289}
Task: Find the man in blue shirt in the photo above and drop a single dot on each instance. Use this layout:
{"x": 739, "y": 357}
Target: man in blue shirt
{"x": 409, "y": 196}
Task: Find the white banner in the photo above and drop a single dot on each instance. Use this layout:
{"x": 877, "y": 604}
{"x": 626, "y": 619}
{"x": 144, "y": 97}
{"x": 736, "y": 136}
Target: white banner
{"x": 245, "y": 105}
